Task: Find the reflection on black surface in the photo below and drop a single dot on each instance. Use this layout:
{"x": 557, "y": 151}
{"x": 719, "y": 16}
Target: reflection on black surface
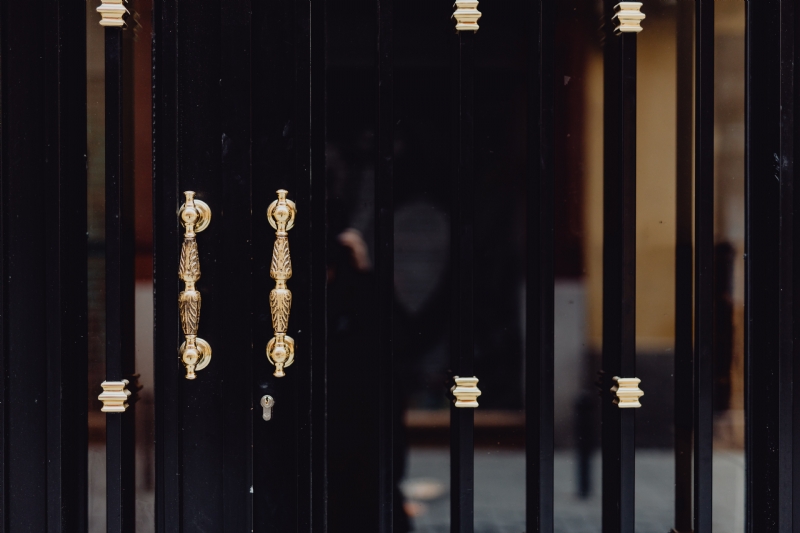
{"x": 424, "y": 116}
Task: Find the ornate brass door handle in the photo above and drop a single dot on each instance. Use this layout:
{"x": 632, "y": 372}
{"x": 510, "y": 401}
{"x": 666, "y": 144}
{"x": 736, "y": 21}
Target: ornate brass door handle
{"x": 280, "y": 350}
{"x": 195, "y": 353}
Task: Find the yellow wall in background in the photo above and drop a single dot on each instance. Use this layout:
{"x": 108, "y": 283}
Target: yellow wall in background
{"x": 655, "y": 196}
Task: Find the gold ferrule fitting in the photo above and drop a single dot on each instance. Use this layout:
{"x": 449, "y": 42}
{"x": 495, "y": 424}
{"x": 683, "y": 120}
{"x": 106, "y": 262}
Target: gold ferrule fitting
{"x": 191, "y": 356}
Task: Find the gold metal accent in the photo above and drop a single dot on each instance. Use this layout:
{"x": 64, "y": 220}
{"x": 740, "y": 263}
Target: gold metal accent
{"x": 627, "y": 392}
{"x": 466, "y": 15}
{"x": 267, "y": 403}
{"x": 114, "y": 13}
{"x": 280, "y": 350}
{"x": 628, "y": 17}
{"x": 114, "y": 396}
{"x": 195, "y": 215}
{"x": 466, "y": 392}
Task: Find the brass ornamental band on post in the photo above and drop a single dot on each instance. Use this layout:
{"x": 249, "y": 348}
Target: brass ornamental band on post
{"x": 628, "y": 17}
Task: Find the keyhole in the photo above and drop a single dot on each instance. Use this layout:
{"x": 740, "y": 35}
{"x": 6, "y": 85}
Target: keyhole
{"x": 267, "y": 402}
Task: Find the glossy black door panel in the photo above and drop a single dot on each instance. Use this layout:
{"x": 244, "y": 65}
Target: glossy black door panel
{"x": 202, "y": 143}
{"x": 43, "y": 290}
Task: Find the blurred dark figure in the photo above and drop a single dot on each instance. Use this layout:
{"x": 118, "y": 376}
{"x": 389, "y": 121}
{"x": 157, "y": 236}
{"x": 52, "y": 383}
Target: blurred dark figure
{"x": 353, "y": 443}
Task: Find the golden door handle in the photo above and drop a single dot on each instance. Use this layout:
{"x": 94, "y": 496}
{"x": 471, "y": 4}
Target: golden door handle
{"x": 280, "y": 350}
{"x": 195, "y": 353}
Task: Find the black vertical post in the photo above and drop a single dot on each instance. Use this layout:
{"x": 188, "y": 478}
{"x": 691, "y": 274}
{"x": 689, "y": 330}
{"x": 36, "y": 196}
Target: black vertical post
{"x": 236, "y": 266}
{"x": 462, "y": 421}
{"x": 684, "y": 270}
{"x": 67, "y": 323}
{"x": 787, "y": 267}
{"x": 288, "y": 41}
{"x": 539, "y": 327}
{"x": 43, "y": 268}
{"x": 166, "y": 242}
{"x": 310, "y": 285}
{"x": 120, "y": 474}
{"x": 789, "y": 34}
{"x": 765, "y": 383}
{"x": 384, "y": 262}
{"x": 791, "y": 150}
{"x": 318, "y": 270}
{"x": 704, "y": 267}
{"x": 201, "y": 147}
{"x": 619, "y": 274}
{"x": 280, "y": 51}
{"x": 280, "y": 136}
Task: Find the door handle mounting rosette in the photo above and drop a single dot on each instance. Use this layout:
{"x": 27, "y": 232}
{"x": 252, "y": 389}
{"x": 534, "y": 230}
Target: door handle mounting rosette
{"x": 280, "y": 350}
{"x": 195, "y": 215}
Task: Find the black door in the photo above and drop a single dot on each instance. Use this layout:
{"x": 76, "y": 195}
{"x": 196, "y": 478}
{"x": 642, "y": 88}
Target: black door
{"x": 398, "y": 265}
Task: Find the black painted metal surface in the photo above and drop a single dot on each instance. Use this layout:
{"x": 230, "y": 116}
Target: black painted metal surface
{"x": 43, "y": 326}
{"x": 790, "y": 48}
{"x": 276, "y": 128}
{"x": 235, "y": 256}
{"x": 225, "y": 129}
{"x": 202, "y": 143}
{"x": 462, "y": 344}
{"x": 763, "y": 380}
{"x": 787, "y": 299}
{"x": 317, "y": 476}
{"x": 684, "y": 270}
{"x": 120, "y": 339}
{"x": 240, "y": 111}
{"x": 540, "y": 377}
{"x": 384, "y": 263}
{"x": 619, "y": 274}
{"x": 704, "y": 266}
{"x": 166, "y": 240}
